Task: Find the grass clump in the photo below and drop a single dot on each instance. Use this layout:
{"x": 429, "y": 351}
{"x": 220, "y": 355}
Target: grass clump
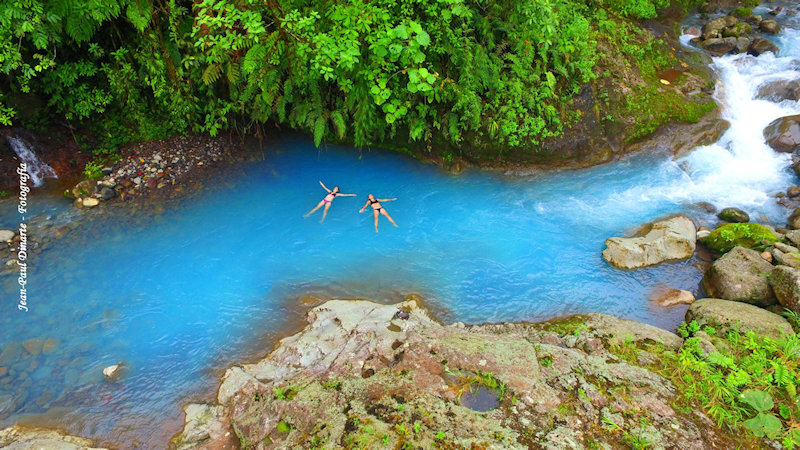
{"x": 750, "y": 235}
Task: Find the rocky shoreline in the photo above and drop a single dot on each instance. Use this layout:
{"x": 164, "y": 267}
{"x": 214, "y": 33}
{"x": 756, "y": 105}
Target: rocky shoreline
{"x": 363, "y": 373}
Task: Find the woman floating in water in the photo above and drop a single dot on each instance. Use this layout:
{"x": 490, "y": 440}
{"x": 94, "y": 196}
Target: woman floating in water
{"x": 377, "y": 209}
{"x": 332, "y": 194}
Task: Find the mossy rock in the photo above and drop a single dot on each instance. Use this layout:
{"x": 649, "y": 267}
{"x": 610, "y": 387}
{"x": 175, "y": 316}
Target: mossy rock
{"x": 749, "y": 235}
{"x": 742, "y": 12}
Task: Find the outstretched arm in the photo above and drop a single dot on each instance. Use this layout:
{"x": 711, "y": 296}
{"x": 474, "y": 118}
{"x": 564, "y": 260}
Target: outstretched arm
{"x": 345, "y": 195}
{"x": 364, "y": 207}
{"x": 323, "y": 187}
{"x": 386, "y": 199}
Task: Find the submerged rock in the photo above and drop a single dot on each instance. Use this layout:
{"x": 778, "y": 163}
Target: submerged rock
{"x": 725, "y": 315}
{"x": 667, "y": 240}
{"x": 783, "y": 134}
{"x": 29, "y": 438}
{"x": 740, "y": 275}
{"x": 112, "y": 372}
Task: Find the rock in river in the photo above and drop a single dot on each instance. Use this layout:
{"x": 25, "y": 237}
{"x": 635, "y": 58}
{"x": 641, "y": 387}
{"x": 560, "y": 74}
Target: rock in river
{"x": 740, "y": 275}
{"x": 759, "y": 46}
{"x": 723, "y": 315}
{"x": 783, "y": 134}
{"x": 667, "y": 240}
{"x": 734, "y": 215}
{"x": 6, "y": 235}
{"x": 780, "y": 90}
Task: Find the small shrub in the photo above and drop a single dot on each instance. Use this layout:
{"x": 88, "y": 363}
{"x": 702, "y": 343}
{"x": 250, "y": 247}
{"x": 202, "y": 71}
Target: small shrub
{"x": 93, "y": 170}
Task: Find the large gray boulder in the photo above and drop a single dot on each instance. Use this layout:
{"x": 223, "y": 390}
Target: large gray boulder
{"x": 785, "y": 282}
{"x": 667, "y": 240}
{"x": 740, "y": 275}
{"x": 720, "y": 46}
{"x": 783, "y": 134}
{"x": 725, "y": 315}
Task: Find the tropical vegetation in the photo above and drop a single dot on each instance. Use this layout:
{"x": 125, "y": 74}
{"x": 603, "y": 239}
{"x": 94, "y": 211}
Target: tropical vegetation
{"x": 367, "y": 72}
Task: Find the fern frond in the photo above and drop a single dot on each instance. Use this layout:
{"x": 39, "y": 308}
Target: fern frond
{"x": 212, "y": 73}
{"x": 319, "y": 130}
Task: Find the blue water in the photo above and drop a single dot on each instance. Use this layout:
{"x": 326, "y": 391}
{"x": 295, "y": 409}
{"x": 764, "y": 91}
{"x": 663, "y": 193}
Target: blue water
{"x": 180, "y": 294}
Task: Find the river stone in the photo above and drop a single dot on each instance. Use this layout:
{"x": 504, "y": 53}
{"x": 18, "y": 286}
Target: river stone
{"x": 759, "y": 46}
{"x": 6, "y": 235}
{"x": 90, "y": 202}
{"x": 769, "y": 26}
{"x": 713, "y": 29}
{"x": 33, "y": 346}
{"x": 794, "y": 219}
{"x": 28, "y": 438}
{"x": 786, "y": 259}
{"x": 85, "y": 188}
{"x": 112, "y": 372}
{"x": 737, "y": 30}
{"x": 719, "y": 46}
{"x": 50, "y": 345}
{"x": 11, "y": 353}
{"x": 740, "y": 275}
{"x": 783, "y": 134}
{"x": 724, "y": 315}
{"x": 667, "y": 240}
{"x": 675, "y": 297}
{"x": 785, "y": 282}
{"x": 794, "y": 236}
{"x": 733, "y": 215}
{"x": 778, "y": 91}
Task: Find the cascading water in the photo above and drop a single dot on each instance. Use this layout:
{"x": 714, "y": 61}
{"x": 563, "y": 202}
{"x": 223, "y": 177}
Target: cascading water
{"x": 180, "y": 293}
{"x": 37, "y": 169}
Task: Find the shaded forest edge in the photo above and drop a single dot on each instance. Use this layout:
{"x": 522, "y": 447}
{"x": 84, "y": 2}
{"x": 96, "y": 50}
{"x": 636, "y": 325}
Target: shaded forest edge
{"x": 560, "y": 84}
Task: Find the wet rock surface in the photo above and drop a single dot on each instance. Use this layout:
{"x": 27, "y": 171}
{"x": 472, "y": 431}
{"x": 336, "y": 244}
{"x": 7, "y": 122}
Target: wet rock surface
{"x": 667, "y": 240}
{"x": 732, "y": 35}
{"x": 561, "y": 381}
{"x": 783, "y": 134}
{"x": 30, "y": 438}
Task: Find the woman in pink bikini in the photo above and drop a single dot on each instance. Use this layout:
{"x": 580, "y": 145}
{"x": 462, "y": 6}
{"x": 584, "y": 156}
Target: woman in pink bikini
{"x": 332, "y": 194}
{"x": 377, "y": 209}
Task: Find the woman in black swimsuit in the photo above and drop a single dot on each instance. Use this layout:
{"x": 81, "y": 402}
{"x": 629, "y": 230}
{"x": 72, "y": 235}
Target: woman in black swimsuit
{"x": 332, "y": 194}
{"x": 377, "y": 209}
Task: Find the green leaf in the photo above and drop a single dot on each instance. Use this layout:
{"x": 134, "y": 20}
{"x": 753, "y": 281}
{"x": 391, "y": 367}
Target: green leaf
{"x": 339, "y": 123}
{"x": 764, "y": 425}
{"x": 423, "y": 38}
{"x": 319, "y": 130}
{"x": 758, "y": 400}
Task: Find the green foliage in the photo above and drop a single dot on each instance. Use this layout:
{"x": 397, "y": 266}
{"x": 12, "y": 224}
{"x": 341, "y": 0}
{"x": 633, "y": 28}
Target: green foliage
{"x": 286, "y": 393}
{"x": 750, "y": 235}
{"x": 751, "y": 382}
{"x": 3, "y": 194}
{"x": 742, "y": 12}
{"x": 452, "y": 72}
{"x": 93, "y": 170}
{"x": 283, "y": 427}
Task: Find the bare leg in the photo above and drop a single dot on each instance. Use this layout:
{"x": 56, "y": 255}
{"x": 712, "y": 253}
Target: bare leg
{"x": 316, "y": 208}
{"x": 376, "y": 220}
{"x": 383, "y": 211}
{"x": 325, "y": 212}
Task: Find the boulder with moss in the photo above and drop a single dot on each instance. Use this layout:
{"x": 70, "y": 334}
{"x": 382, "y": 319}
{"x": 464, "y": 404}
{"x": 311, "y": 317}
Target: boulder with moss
{"x": 726, "y": 315}
{"x": 740, "y": 275}
{"x": 749, "y": 235}
{"x": 734, "y": 215}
